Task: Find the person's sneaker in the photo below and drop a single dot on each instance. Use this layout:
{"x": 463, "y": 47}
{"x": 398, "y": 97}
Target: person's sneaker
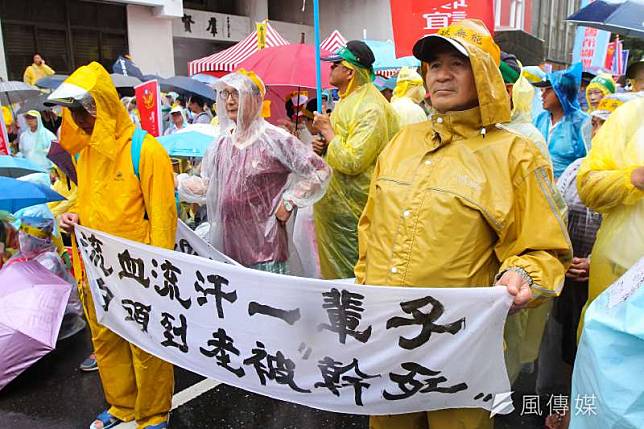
{"x": 89, "y": 364}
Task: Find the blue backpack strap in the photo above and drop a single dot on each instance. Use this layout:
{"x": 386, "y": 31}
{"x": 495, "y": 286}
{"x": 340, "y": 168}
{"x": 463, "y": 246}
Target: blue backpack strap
{"x": 137, "y": 144}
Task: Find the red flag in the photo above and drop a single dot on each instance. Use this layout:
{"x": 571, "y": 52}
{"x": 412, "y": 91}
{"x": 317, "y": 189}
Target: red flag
{"x": 4, "y": 137}
{"x": 413, "y": 19}
{"x": 148, "y": 101}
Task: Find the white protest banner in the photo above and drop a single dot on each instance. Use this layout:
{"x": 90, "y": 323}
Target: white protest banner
{"x": 188, "y": 242}
{"x": 329, "y": 345}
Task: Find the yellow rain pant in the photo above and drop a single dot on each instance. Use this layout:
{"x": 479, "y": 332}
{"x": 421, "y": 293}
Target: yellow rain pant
{"x": 137, "y": 385}
{"x": 457, "y": 418}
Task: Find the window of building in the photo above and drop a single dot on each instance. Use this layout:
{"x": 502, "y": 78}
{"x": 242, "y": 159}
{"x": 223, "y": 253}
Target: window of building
{"x": 67, "y": 33}
{"x": 220, "y": 6}
{"x": 290, "y": 11}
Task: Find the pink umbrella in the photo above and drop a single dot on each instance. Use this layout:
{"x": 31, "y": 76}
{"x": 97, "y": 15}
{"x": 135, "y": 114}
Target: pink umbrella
{"x": 290, "y": 66}
{"x": 32, "y": 303}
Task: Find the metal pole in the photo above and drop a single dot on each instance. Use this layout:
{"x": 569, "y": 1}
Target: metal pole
{"x": 318, "y": 67}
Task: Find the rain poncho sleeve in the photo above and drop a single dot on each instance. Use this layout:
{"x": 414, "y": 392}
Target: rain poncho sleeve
{"x": 605, "y": 185}
{"x": 157, "y": 185}
{"x": 363, "y": 122}
{"x": 529, "y": 246}
{"x": 68, "y": 189}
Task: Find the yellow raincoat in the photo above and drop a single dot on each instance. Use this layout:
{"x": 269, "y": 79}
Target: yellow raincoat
{"x": 604, "y": 184}
{"x": 34, "y": 73}
{"x": 112, "y": 199}
{"x": 454, "y": 202}
{"x": 363, "y": 122}
{"x": 408, "y": 94}
{"x": 68, "y": 189}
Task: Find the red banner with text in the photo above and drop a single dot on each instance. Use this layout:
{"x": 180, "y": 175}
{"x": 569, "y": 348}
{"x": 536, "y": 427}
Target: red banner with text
{"x": 148, "y": 102}
{"x": 413, "y": 19}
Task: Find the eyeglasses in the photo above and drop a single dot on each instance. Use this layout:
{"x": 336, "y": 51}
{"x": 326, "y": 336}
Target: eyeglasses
{"x": 226, "y": 93}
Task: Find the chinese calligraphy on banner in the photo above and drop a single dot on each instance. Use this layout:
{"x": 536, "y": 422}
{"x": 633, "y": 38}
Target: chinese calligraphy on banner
{"x": 591, "y": 45}
{"x": 413, "y": 19}
{"x": 325, "y": 344}
{"x": 148, "y": 101}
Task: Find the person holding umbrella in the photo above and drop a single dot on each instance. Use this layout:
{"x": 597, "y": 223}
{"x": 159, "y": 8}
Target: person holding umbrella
{"x": 135, "y": 202}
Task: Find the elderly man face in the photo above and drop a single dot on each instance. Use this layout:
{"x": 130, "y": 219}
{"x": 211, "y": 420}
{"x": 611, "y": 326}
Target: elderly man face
{"x": 450, "y": 81}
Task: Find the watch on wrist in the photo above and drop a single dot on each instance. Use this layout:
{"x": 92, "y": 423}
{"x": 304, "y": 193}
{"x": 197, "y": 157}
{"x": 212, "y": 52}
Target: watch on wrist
{"x": 288, "y": 206}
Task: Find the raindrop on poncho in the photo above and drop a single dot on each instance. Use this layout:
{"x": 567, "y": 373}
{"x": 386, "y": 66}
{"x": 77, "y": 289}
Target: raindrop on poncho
{"x": 254, "y": 166}
{"x": 34, "y": 145}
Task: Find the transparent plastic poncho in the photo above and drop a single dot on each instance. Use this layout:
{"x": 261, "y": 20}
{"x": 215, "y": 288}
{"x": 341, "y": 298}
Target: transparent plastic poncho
{"x": 253, "y": 167}
{"x": 36, "y": 243}
{"x": 34, "y": 145}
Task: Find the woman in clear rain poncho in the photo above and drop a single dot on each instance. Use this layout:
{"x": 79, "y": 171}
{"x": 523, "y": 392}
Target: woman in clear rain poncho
{"x": 257, "y": 174}
{"x": 35, "y": 141}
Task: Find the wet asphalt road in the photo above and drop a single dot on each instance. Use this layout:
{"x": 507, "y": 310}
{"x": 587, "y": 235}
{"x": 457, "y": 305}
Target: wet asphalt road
{"x": 54, "y": 394}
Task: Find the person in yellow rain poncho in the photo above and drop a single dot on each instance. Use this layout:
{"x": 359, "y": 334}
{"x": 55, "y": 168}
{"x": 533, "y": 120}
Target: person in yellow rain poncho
{"x": 359, "y": 128}
{"x": 408, "y": 95}
{"x": 611, "y": 181}
{"x": 598, "y": 88}
{"x": 113, "y": 199}
{"x": 37, "y": 70}
{"x": 457, "y": 202}
{"x": 65, "y": 187}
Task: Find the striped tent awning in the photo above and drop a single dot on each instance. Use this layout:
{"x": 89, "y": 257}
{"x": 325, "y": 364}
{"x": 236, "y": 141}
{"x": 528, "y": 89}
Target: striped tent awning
{"x": 334, "y": 42}
{"x": 387, "y": 72}
{"x": 227, "y": 60}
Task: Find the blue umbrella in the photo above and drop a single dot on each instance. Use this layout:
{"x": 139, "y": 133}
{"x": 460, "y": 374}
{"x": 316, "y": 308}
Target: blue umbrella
{"x": 127, "y": 67}
{"x": 624, "y": 17}
{"x": 11, "y": 166}
{"x": 190, "y": 144}
{"x": 147, "y": 77}
{"x": 51, "y": 82}
{"x": 385, "y": 53}
{"x": 205, "y": 78}
{"x": 187, "y": 86}
{"x": 16, "y": 194}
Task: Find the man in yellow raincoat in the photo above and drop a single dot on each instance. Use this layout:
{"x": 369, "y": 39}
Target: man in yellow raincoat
{"x": 37, "y": 70}
{"x": 456, "y": 201}
{"x": 611, "y": 181}
{"x": 408, "y": 95}
{"x": 359, "y": 128}
{"x": 111, "y": 198}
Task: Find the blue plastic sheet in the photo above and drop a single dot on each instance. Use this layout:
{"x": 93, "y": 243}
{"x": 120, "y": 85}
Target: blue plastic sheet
{"x": 608, "y": 385}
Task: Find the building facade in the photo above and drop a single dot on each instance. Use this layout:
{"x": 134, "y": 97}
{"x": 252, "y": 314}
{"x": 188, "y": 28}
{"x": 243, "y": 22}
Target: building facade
{"x": 163, "y": 35}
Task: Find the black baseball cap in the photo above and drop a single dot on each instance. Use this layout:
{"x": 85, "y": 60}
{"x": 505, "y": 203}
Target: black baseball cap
{"x": 355, "y": 52}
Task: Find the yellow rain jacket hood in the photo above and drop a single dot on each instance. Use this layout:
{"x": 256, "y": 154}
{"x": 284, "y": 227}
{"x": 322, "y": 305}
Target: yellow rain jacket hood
{"x": 456, "y": 200}
{"x": 604, "y": 184}
{"x": 408, "y": 94}
{"x": 363, "y": 122}
{"x": 111, "y": 197}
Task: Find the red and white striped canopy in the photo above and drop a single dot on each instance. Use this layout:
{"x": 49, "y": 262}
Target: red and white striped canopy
{"x": 227, "y": 60}
{"x": 387, "y": 72}
{"x": 334, "y": 42}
